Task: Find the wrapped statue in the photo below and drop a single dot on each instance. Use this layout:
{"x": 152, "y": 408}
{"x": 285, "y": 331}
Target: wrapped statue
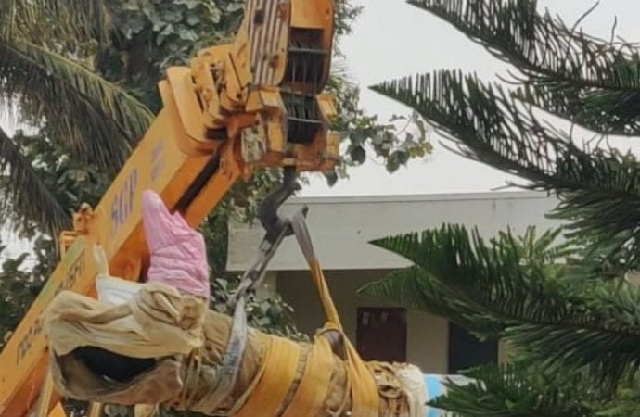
{"x": 158, "y": 344}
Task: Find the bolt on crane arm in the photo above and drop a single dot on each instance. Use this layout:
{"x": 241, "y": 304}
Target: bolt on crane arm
{"x": 266, "y": 88}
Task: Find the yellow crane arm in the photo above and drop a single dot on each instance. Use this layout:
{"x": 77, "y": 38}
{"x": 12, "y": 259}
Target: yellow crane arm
{"x": 252, "y": 104}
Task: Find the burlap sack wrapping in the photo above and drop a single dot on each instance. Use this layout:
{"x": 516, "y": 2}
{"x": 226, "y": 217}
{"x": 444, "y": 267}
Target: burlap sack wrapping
{"x": 186, "y": 344}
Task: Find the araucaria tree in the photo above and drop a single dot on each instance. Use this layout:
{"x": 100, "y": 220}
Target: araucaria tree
{"x": 568, "y": 309}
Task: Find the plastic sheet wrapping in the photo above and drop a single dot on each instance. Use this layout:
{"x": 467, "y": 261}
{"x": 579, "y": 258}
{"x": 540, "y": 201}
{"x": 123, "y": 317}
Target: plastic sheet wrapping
{"x": 185, "y": 345}
{"x": 157, "y": 343}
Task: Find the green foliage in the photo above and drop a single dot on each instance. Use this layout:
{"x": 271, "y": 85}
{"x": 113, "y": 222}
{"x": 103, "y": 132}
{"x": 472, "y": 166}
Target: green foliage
{"x": 485, "y": 287}
{"x": 519, "y": 389}
{"x": 564, "y": 72}
{"x": 520, "y": 291}
{"x": 17, "y": 288}
{"x": 45, "y": 83}
{"x": 110, "y": 118}
{"x": 271, "y": 315}
{"x": 153, "y": 35}
{"x": 394, "y": 145}
{"x": 598, "y": 188}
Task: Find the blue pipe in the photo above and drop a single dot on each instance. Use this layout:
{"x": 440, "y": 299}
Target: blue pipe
{"x": 434, "y": 385}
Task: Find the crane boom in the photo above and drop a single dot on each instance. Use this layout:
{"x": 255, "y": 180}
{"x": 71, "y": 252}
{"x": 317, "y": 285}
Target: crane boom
{"x": 253, "y": 104}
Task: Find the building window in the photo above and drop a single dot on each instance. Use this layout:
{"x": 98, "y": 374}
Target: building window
{"x": 381, "y": 334}
{"x": 466, "y": 351}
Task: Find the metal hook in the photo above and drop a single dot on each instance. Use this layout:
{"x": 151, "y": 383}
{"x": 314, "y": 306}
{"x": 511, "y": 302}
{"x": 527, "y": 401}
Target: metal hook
{"x": 276, "y": 229}
{"x": 271, "y": 222}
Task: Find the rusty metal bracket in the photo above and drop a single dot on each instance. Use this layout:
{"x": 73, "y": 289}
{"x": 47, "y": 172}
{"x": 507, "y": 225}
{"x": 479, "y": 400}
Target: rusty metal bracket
{"x": 276, "y": 229}
{"x": 271, "y": 222}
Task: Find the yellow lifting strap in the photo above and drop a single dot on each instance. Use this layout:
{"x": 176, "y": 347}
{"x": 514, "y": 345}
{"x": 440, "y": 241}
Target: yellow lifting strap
{"x": 276, "y": 375}
{"x": 282, "y": 356}
{"x": 364, "y": 391}
{"x": 309, "y": 399}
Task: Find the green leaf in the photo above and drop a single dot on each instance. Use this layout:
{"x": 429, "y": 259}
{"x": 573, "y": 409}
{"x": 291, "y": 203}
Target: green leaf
{"x": 191, "y": 4}
{"x": 358, "y": 154}
{"x": 193, "y": 18}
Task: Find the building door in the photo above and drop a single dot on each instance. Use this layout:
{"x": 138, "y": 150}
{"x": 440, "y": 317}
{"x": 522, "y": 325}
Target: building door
{"x": 381, "y": 334}
{"x": 466, "y": 351}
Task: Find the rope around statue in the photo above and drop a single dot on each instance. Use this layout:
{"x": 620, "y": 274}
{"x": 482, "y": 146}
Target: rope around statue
{"x": 157, "y": 344}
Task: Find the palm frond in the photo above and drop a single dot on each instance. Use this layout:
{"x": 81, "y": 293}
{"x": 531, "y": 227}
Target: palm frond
{"x": 599, "y": 190}
{"x": 39, "y": 21}
{"x": 488, "y": 126}
{"x": 8, "y": 10}
{"x": 560, "y": 65}
{"x": 26, "y": 200}
{"x": 96, "y": 120}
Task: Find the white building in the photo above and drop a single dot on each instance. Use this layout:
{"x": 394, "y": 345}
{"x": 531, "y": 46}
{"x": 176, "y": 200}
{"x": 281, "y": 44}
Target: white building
{"x": 341, "y": 228}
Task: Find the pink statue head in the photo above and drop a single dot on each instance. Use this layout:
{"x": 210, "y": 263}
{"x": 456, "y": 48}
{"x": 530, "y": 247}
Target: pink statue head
{"x": 178, "y": 254}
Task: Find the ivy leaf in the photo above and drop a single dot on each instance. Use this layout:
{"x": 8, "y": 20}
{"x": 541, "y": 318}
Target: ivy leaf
{"x": 358, "y": 154}
{"x": 191, "y": 4}
{"x": 193, "y": 18}
{"x": 136, "y": 25}
{"x": 332, "y": 177}
{"x": 393, "y": 164}
{"x": 188, "y": 35}
{"x": 377, "y": 140}
{"x": 172, "y": 15}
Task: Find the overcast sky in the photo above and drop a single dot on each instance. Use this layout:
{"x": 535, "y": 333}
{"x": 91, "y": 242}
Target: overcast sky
{"x": 391, "y": 40}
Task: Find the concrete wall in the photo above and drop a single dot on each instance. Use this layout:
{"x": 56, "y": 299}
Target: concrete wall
{"x": 342, "y": 227}
{"x": 426, "y": 334}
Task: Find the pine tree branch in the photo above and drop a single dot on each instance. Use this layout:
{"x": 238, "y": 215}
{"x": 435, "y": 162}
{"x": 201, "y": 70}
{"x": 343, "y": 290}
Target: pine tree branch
{"x": 600, "y": 191}
{"x": 490, "y": 127}
{"x": 518, "y": 389}
{"x": 557, "y": 321}
{"x": 600, "y": 111}
{"x": 414, "y": 288}
{"x": 564, "y": 71}
{"x": 94, "y": 118}
{"x": 483, "y": 287}
{"x": 542, "y": 48}
{"x": 601, "y": 334}
{"x": 25, "y": 198}
{"x": 608, "y": 353}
